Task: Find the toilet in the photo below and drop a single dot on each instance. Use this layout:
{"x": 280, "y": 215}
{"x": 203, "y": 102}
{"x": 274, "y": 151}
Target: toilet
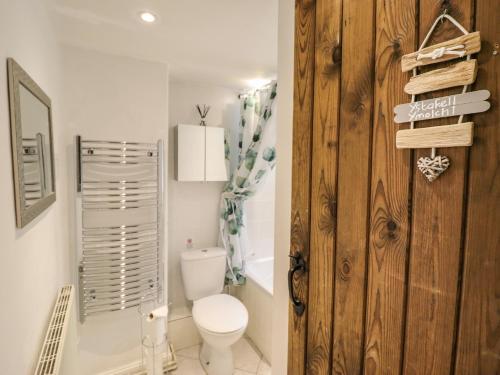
{"x": 220, "y": 318}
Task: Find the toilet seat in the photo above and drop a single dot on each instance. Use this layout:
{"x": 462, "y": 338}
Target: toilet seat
{"x": 220, "y": 314}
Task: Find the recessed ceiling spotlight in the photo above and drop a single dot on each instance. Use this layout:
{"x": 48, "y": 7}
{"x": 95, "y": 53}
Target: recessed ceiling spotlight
{"x": 258, "y": 83}
{"x": 147, "y": 17}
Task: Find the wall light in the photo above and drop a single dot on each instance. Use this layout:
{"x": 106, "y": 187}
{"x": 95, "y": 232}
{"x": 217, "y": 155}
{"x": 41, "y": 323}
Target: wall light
{"x": 257, "y": 83}
{"x": 147, "y": 17}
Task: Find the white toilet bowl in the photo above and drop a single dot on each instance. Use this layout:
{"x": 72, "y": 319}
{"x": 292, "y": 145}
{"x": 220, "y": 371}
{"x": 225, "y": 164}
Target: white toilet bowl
{"x": 220, "y": 318}
{"x": 221, "y": 321}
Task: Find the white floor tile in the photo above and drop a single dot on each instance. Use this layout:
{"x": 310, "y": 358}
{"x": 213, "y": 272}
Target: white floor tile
{"x": 192, "y": 352}
{"x": 264, "y": 368}
{"x": 246, "y": 358}
{"x": 188, "y": 366}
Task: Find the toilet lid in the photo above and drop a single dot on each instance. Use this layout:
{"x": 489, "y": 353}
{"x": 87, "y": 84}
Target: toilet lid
{"x": 220, "y": 313}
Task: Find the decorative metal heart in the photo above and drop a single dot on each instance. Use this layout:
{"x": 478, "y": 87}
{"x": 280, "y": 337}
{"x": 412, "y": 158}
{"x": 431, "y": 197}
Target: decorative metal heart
{"x": 433, "y": 167}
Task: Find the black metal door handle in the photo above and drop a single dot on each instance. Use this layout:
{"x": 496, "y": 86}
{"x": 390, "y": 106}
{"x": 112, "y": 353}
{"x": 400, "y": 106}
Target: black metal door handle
{"x": 298, "y": 264}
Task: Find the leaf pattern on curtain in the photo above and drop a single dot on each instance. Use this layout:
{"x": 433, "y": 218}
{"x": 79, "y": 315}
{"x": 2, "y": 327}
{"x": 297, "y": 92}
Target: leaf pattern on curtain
{"x": 256, "y": 157}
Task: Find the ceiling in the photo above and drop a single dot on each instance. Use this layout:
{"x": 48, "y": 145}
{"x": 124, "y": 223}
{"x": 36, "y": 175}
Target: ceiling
{"x": 224, "y": 42}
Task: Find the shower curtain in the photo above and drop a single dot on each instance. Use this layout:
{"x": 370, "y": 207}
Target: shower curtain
{"x": 256, "y": 157}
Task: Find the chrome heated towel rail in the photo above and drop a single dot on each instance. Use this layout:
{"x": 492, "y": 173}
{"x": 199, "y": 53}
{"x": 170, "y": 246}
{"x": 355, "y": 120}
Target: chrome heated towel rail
{"x": 120, "y": 220}
{"x": 34, "y": 169}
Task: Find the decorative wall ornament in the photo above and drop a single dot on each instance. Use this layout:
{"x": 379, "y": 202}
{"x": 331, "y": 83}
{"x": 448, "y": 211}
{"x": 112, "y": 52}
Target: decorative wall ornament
{"x": 459, "y": 74}
{"x": 466, "y": 44}
{"x": 456, "y": 135}
{"x": 445, "y": 106}
{"x": 203, "y": 113}
{"x": 433, "y": 167}
{"x": 463, "y": 74}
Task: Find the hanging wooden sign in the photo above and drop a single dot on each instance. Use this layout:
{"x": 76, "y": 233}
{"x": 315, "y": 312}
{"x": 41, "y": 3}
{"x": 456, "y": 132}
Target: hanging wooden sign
{"x": 463, "y": 74}
{"x": 451, "y": 49}
{"x": 443, "y": 101}
{"x": 437, "y": 136}
{"x": 460, "y": 74}
{"x": 435, "y": 110}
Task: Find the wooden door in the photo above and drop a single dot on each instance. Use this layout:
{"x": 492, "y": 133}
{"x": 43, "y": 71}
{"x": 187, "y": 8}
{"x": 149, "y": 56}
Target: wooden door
{"x": 402, "y": 275}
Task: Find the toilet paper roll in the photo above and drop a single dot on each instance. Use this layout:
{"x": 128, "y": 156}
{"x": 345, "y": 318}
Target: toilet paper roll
{"x": 160, "y": 312}
{"x": 158, "y": 317}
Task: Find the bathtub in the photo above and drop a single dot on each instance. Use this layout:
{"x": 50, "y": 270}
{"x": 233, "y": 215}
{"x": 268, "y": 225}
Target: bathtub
{"x": 261, "y": 272}
{"x": 257, "y": 296}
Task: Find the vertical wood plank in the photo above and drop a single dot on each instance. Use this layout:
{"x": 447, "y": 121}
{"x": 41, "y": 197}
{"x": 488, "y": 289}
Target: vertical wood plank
{"x": 353, "y": 184}
{"x": 437, "y": 219}
{"x": 478, "y": 345}
{"x": 305, "y": 13}
{"x": 390, "y": 187}
{"x": 323, "y": 185}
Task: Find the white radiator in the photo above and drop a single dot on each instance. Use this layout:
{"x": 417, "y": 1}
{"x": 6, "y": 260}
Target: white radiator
{"x": 59, "y": 350}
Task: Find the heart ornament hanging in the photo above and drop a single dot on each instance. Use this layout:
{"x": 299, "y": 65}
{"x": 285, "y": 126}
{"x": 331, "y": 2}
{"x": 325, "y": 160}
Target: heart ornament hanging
{"x": 463, "y": 74}
{"x": 433, "y": 167}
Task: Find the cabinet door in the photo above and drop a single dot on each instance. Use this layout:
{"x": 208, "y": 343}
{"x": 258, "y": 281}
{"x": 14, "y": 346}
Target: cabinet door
{"x": 190, "y": 146}
{"x": 215, "y": 165}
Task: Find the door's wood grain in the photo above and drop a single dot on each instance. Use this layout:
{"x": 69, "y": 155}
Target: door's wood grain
{"x": 305, "y": 16}
{"x": 323, "y": 185}
{"x": 390, "y": 188}
{"x": 437, "y": 217}
{"x": 356, "y": 112}
{"x": 478, "y": 345}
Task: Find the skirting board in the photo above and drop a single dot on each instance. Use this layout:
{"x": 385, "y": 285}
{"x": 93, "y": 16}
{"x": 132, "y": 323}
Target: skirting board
{"x": 135, "y": 368}
{"x": 182, "y": 331}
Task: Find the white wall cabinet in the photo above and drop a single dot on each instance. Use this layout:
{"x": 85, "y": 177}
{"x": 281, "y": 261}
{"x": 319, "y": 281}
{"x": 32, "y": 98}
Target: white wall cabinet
{"x": 190, "y": 153}
{"x": 200, "y": 153}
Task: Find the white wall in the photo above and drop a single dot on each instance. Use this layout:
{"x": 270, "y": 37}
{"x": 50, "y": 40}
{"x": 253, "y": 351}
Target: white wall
{"x": 112, "y": 98}
{"x": 34, "y": 260}
{"x": 283, "y": 184}
{"x": 194, "y": 206}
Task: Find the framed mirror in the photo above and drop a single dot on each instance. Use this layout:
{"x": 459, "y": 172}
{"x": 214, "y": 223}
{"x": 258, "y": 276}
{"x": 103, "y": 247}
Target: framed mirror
{"x": 32, "y": 145}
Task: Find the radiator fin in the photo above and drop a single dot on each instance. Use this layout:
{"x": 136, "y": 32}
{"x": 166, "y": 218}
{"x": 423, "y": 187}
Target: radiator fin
{"x": 52, "y": 350}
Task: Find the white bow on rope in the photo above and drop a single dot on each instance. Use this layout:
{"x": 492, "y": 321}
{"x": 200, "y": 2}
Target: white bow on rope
{"x": 441, "y": 51}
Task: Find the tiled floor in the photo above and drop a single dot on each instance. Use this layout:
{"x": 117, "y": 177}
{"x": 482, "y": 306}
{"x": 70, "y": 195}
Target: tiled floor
{"x": 247, "y": 360}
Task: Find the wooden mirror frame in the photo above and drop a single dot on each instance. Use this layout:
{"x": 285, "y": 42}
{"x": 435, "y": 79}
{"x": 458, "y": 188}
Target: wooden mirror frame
{"x": 16, "y": 77}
